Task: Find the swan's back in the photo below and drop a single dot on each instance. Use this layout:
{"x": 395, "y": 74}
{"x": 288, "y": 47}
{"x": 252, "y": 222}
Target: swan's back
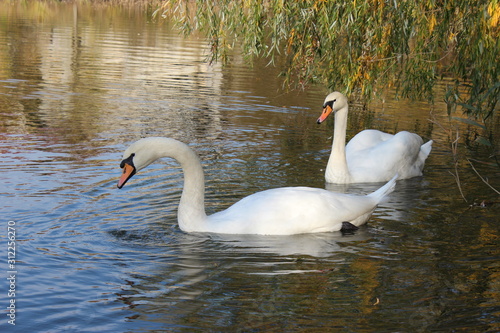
{"x": 367, "y": 139}
{"x": 293, "y": 210}
{"x": 376, "y": 156}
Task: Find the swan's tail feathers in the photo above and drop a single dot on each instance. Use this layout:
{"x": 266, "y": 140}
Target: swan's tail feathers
{"x": 425, "y": 150}
{"x": 382, "y": 192}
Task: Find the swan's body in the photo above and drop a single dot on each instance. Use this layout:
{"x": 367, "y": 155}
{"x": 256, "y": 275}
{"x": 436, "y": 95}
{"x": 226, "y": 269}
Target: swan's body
{"x": 280, "y": 211}
{"x": 371, "y": 156}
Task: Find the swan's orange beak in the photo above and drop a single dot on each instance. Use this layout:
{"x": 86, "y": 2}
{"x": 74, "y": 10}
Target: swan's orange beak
{"x": 128, "y": 172}
{"x": 326, "y": 112}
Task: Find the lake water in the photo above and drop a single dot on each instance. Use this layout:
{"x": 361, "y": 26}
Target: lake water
{"x": 78, "y": 84}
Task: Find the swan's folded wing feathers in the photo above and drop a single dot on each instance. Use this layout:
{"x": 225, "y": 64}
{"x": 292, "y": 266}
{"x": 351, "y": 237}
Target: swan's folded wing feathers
{"x": 292, "y": 210}
{"x": 366, "y": 140}
{"x": 399, "y": 154}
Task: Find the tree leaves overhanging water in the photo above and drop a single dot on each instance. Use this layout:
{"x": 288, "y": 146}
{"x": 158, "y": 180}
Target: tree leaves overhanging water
{"x": 365, "y": 46}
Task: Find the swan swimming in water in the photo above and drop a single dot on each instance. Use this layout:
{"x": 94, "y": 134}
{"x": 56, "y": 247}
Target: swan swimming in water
{"x": 279, "y": 211}
{"x": 371, "y": 155}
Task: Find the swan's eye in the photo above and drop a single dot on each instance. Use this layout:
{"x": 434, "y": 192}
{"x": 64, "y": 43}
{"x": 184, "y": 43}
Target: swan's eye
{"x": 329, "y": 103}
{"x": 128, "y": 160}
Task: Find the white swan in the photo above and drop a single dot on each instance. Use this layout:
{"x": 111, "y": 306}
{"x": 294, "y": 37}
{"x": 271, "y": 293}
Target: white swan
{"x": 280, "y": 211}
{"x": 370, "y": 156}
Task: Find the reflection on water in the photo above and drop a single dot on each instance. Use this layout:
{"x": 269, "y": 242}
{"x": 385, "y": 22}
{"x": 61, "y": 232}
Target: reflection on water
{"x": 79, "y": 83}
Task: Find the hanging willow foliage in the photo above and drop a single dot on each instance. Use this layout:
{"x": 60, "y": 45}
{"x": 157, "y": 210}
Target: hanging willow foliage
{"x": 364, "y": 46}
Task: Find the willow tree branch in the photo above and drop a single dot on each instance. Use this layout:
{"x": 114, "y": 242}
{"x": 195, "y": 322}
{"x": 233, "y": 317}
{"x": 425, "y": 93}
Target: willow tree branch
{"x": 484, "y": 180}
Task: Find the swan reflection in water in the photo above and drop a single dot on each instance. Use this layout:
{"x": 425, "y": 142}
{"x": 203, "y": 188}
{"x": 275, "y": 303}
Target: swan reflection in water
{"x": 312, "y": 244}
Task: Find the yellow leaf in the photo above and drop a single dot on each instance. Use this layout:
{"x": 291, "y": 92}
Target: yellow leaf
{"x": 494, "y": 12}
{"x": 432, "y": 23}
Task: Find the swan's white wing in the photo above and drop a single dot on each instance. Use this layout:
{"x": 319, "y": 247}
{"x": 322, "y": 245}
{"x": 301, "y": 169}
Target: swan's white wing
{"x": 397, "y": 154}
{"x": 292, "y": 210}
{"x": 367, "y": 139}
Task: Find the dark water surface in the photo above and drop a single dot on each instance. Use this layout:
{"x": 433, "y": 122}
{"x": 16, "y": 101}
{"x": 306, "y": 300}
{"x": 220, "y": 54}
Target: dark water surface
{"x": 78, "y": 84}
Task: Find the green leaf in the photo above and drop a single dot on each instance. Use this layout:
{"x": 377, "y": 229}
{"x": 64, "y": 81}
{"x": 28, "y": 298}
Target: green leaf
{"x": 468, "y": 107}
{"x": 482, "y": 140}
{"x": 469, "y": 122}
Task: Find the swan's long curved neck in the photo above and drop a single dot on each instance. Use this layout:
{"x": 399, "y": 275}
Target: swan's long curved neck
{"x": 191, "y": 212}
{"x": 337, "y": 163}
